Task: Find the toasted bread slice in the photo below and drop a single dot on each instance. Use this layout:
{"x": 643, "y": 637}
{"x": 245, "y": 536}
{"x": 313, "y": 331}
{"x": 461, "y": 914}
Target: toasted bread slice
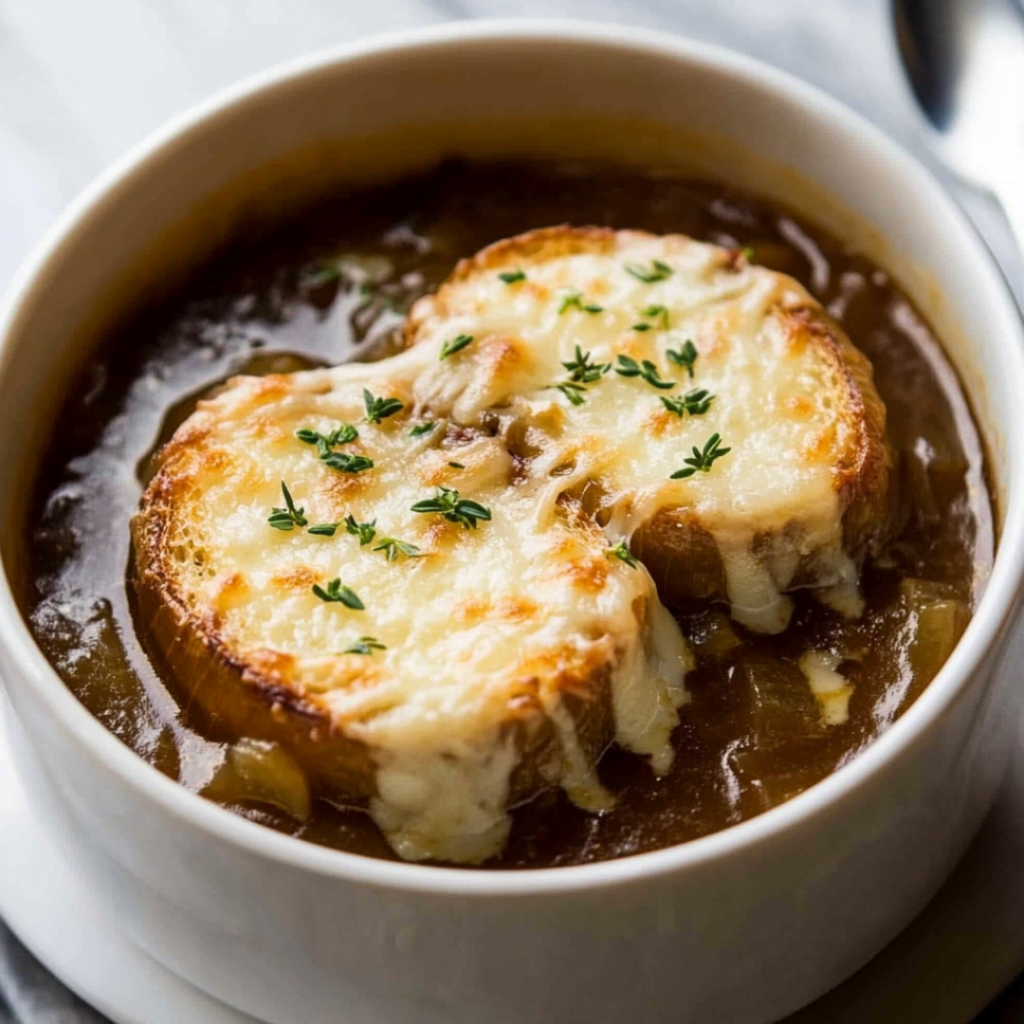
{"x": 662, "y": 344}
{"x": 515, "y": 649}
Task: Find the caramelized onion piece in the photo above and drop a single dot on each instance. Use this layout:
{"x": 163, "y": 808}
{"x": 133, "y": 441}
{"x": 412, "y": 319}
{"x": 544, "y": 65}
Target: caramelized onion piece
{"x": 782, "y": 706}
{"x": 937, "y": 619}
{"x": 254, "y": 771}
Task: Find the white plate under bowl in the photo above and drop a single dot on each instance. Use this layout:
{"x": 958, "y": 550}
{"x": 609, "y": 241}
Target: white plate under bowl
{"x": 965, "y": 948}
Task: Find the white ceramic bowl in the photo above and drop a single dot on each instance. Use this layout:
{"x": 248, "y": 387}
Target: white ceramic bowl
{"x": 742, "y": 926}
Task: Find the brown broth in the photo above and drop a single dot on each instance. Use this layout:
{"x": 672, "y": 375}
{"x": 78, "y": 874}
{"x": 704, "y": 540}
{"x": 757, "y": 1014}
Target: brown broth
{"x": 751, "y": 737}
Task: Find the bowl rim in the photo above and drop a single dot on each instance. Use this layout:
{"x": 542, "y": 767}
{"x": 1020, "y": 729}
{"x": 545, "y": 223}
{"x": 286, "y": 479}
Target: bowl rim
{"x": 992, "y": 616}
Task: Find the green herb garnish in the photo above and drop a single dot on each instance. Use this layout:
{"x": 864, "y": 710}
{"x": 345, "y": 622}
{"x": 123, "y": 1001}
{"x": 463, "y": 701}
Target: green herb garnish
{"x": 572, "y": 391}
{"x": 702, "y": 460}
{"x": 513, "y": 276}
{"x": 629, "y": 367}
{"x": 749, "y": 253}
{"x": 364, "y": 531}
{"x": 696, "y": 403}
{"x": 574, "y": 300}
{"x": 449, "y": 348}
{"x": 289, "y": 517}
{"x": 378, "y": 409}
{"x": 581, "y": 373}
{"x": 345, "y": 462}
{"x": 657, "y": 271}
{"x": 325, "y": 442}
{"x": 685, "y": 357}
{"x": 456, "y": 465}
{"x": 338, "y": 593}
{"x": 447, "y": 503}
{"x": 392, "y": 548}
{"x": 621, "y": 552}
{"x": 324, "y": 529}
{"x": 658, "y": 312}
{"x": 365, "y": 645}
{"x": 422, "y": 430}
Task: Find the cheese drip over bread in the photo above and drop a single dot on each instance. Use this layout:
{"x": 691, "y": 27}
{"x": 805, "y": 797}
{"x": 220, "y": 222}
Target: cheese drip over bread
{"x": 802, "y": 493}
{"x": 513, "y": 653}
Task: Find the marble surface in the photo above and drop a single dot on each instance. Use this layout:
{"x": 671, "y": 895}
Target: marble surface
{"x": 81, "y": 82}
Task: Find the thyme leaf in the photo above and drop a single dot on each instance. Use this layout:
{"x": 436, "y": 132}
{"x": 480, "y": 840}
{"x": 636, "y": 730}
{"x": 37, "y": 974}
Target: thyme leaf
{"x": 513, "y": 276}
{"x": 449, "y": 348}
{"x": 657, "y": 271}
{"x": 422, "y": 429}
{"x": 345, "y": 462}
{"x": 364, "y": 531}
{"x": 378, "y": 409}
{"x": 581, "y": 373}
{"x": 621, "y": 552}
{"x": 447, "y": 503}
{"x": 695, "y": 403}
{"x": 325, "y": 442}
{"x": 392, "y": 548}
{"x": 574, "y": 300}
{"x": 324, "y": 529}
{"x": 702, "y": 461}
{"x": 338, "y": 593}
{"x": 629, "y": 367}
{"x": 685, "y": 357}
{"x": 365, "y": 645}
{"x": 289, "y": 517}
{"x": 659, "y": 313}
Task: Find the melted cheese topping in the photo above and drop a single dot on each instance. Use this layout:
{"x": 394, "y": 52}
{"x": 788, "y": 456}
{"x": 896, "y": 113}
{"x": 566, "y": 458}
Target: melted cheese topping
{"x": 779, "y": 395}
{"x": 529, "y": 614}
{"x": 515, "y": 611}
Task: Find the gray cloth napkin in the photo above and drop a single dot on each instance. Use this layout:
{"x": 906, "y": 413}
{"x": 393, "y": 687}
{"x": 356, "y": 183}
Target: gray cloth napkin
{"x": 66, "y": 109}
{"x": 30, "y": 994}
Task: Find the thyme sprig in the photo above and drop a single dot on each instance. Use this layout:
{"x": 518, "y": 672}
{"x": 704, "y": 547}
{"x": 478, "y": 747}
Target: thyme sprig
{"x": 629, "y": 367}
{"x": 685, "y": 357}
{"x": 657, "y": 271}
{"x": 392, "y": 548}
{"x": 378, "y": 409}
{"x": 574, "y": 300}
{"x": 695, "y": 402}
{"x": 364, "y": 531}
{"x": 447, "y": 503}
{"x": 622, "y": 552}
{"x": 324, "y": 529}
{"x": 345, "y": 462}
{"x": 581, "y": 373}
{"x": 289, "y": 517}
{"x": 457, "y": 344}
{"x": 337, "y": 593}
{"x": 365, "y": 645}
{"x": 659, "y": 313}
{"x": 702, "y": 460}
{"x": 326, "y": 442}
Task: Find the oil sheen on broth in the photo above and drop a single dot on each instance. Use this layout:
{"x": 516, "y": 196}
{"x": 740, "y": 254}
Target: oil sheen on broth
{"x": 333, "y": 285}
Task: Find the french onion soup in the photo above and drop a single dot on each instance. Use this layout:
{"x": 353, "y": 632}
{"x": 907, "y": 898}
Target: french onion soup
{"x": 516, "y": 515}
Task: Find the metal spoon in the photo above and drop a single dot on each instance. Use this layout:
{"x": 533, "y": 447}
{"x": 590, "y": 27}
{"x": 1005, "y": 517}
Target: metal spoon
{"x": 965, "y": 63}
